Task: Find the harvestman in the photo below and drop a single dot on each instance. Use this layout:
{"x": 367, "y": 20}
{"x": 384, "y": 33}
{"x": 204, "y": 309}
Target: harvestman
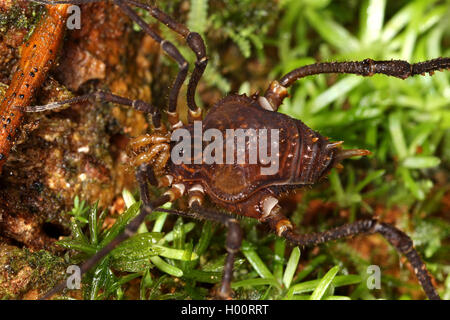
{"x": 305, "y": 156}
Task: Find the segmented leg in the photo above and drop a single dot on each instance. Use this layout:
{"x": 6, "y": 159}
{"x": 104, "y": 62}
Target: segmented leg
{"x": 232, "y": 245}
{"x": 170, "y": 50}
{"x": 148, "y": 139}
{"x": 193, "y": 40}
{"x": 233, "y": 241}
{"x": 147, "y": 207}
{"x": 152, "y": 149}
{"x": 396, "y": 238}
{"x": 277, "y": 90}
{"x": 159, "y": 154}
{"x": 103, "y": 96}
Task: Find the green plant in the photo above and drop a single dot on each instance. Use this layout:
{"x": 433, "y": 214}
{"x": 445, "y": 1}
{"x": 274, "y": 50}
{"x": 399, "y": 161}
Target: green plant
{"x": 177, "y": 257}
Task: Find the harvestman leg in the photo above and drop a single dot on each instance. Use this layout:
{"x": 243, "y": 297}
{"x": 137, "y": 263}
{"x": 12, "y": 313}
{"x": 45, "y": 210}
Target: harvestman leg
{"x": 172, "y": 51}
{"x": 166, "y": 46}
{"x": 193, "y": 40}
{"x": 144, "y": 172}
{"x": 232, "y": 244}
{"x": 396, "y": 238}
{"x": 277, "y": 90}
{"x": 103, "y": 97}
{"x": 233, "y": 241}
{"x": 147, "y": 207}
{"x": 195, "y": 43}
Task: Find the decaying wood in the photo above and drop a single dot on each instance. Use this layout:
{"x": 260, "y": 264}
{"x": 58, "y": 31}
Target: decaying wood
{"x": 38, "y": 56}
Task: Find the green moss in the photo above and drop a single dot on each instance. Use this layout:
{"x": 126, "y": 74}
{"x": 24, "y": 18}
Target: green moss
{"x": 25, "y": 271}
{"x": 18, "y": 17}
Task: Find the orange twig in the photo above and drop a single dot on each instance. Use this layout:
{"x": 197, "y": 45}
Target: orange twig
{"x": 38, "y": 55}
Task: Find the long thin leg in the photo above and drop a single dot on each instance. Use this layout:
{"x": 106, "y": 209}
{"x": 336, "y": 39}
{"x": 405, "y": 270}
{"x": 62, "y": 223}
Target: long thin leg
{"x": 130, "y": 229}
{"x": 277, "y": 90}
{"x": 166, "y": 46}
{"x": 397, "y": 238}
{"x": 232, "y": 245}
{"x": 233, "y": 242}
{"x": 194, "y": 41}
{"x": 146, "y": 173}
{"x": 103, "y": 97}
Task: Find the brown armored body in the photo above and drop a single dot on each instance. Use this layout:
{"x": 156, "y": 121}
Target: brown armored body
{"x": 302, "y": 156}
